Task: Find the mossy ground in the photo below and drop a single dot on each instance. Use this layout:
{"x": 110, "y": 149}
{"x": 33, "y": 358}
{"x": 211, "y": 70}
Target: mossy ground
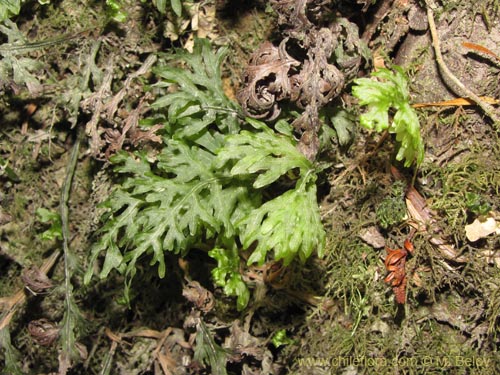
{"x": 338, "y": 311}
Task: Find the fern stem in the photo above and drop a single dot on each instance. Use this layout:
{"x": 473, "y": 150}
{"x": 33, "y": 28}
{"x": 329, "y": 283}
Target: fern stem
{"x": 238, "y": 113}
{"x": 64, "y": 210}
{"x": 68, "y": 346}
{"x": 28, "y": 47}
{"x": 302, "y": 183}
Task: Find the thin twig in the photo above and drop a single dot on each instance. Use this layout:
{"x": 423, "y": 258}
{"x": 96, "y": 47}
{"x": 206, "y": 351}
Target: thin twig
{"x": 448, "y": 77}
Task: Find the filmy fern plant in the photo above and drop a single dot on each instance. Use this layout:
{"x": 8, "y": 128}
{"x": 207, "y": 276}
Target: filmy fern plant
{"x": 211, "y": 183}
{"x": 388, "y": 90}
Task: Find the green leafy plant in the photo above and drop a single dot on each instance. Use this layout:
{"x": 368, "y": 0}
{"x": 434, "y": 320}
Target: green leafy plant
{"x": 175, "y": 5}
{"x": 212, "y": 182}
{"x": 13, "y": 66}
{"x": 226, "y": 274}
{"x": 476, "y": 204}
{"x": 207, "y": 351}
{"x": 9, "y": 8}
{"x": 114, "y": 9}
{"x": 281, "y": 338}
{"x": 7, "y": 172}
{"x": 11, "y": 354}
{"x": 55, "y": 230}
{"x": 287, "y": 223}
{"x": 388, "y": 90}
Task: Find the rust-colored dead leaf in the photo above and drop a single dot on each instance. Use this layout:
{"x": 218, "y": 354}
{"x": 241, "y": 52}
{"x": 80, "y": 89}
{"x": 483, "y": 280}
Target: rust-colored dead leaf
{"x": 480, "y": 48}
{"x": 395, "y": 262}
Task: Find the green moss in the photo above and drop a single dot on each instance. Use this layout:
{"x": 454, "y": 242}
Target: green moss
{"x": 469, "y": 186}
{"x": 392, "y": 209}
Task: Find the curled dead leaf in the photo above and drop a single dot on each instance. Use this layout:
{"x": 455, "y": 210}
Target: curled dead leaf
{"x": 202, "y": 298}
{"x": 35, "y": 280}
{"x": 266, "y": 80}
{"x": 43, "y": 331}
{"x": 310, "y": 78}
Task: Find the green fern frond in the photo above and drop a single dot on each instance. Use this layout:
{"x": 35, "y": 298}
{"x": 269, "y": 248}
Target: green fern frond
{"x": 263, "y": 153}
{"x": 151, "y": 213}
{"x": 198, "y": 99}
{"x": 208, "y": 183}
{"x": 390, "y": 91}
{"x": 12, "y": 357}
{"x": 290, "y": 225}
{"x": 9, "y": 8}
{"x": 227, "y": 275}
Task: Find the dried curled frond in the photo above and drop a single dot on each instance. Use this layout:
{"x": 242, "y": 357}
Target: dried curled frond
{"x": 35, "y": 280}
{"x": 311, "y": 82}
{"x": 43, "y": 332}
{"x": 299, "y": 16}
{"x": 318, "y": 80}
{"x": 292, "y": 13}
{"x": 266, "y": 80}
{"x": 273, "y": 75}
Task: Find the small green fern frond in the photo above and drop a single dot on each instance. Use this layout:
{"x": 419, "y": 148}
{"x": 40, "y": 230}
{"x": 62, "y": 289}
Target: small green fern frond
{"x": 263, "y": 153}
{"x": 389, "y": 91}
{"x": 153, "y": 213}
{"x": 290, "y": 225}
{"x": 198, "y": 99}
{"x": 227, "y": 275}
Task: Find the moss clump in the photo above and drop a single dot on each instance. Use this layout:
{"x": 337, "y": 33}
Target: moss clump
{"x": 392, "y": 209}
